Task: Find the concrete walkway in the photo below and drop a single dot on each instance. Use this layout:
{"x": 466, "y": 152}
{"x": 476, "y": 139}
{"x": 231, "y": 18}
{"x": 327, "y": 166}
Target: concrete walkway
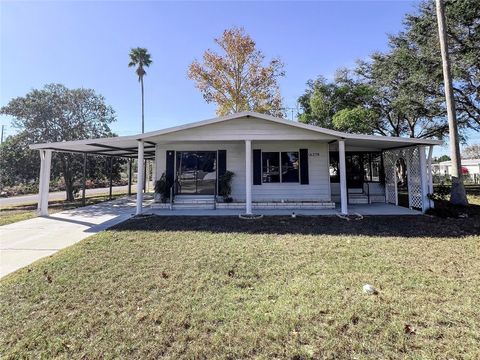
{"x": 24, "y": 242}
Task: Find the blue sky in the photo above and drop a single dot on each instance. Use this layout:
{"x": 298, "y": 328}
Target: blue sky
{"x": 86, "y": 44}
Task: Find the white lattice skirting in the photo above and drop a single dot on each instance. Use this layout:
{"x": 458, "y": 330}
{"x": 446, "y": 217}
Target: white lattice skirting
{"x": 411, "y": 156}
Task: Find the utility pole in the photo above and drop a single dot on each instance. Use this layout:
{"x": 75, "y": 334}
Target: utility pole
{"x": 457, "y": 195}
{"x": 1, "y": 141}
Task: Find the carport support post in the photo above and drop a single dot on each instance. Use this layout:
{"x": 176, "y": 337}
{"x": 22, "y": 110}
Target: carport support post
{"x": 110, "y": 178}
{"x": 343, "y": 177}
{"x": 248, "y": 177}
{"x": 84, "y": 179}
{"x": 140, "y": 173}
{"x": 145, "y": 175}
{"x": 43, "y": 187}
{"x": 129, "y": 170}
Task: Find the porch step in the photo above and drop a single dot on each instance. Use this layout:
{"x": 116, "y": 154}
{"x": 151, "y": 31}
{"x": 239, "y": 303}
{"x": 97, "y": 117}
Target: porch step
{"x": 194, "y": 200}
{"x": 188, "y": 202}
{"x": 190, "y": 206}
{"x": 357, "y": 199}
{"x": 184, "y": 206}
{"x": 355, "y": 190}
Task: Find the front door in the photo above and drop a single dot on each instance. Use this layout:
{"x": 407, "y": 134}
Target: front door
{"x": 355, "y": 171}
{"x": 196, "y": 172}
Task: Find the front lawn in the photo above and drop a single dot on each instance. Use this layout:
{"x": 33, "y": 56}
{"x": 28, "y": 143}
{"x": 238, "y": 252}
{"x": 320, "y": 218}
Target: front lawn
{"x": 216, "y": 288}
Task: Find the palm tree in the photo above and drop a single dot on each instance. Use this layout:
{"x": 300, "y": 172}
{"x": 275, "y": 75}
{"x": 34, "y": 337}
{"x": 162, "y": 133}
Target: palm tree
{"x": 458, "y": 195}
{"x": 140, "y": 58}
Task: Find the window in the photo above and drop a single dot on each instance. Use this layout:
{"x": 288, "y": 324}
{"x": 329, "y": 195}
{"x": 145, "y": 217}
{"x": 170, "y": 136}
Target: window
{"x": 366, "y": 165}
{"x": 376, "y": 160}
{"x": 290, "y": 166}
{"x": 270, "y": 167}
{"x": 334, "y": 168}
{"x": 281, "y": 167}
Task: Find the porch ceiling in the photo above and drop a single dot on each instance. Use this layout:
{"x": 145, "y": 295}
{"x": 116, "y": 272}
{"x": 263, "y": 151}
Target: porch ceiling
{"x": 371, "y": 142}
{"x": 126, "y": 146}
{"x": 122, "y": 146}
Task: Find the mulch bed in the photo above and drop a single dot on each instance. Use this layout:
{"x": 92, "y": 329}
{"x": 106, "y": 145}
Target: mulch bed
{"x": 382, "y": 226}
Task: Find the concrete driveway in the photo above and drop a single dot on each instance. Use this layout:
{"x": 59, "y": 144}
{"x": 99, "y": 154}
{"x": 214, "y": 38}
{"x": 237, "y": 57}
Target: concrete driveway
{"x": 24, "y": 242}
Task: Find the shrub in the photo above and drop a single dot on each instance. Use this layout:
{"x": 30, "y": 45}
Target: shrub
{"x": 440, "y": 192}
{"x": 162, "y": 187}
{"x": 225, "y": 186}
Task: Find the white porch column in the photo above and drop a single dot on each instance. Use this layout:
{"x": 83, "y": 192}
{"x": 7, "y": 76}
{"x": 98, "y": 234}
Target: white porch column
{"x": 423, "y": 177}
{"x": 248, "y": 177}
{"x": 43, "y": 187}
{"x": 140, "y": 177}
{"x": 343, "y": 177}
{"x": 429, "y": 165}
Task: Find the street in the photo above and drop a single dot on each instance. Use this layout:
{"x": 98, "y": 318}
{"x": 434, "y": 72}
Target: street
{"x": 59, "y": 195}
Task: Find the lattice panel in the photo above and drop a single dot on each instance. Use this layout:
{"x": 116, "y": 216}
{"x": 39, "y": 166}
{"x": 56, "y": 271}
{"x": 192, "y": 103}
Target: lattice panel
{"x": 389, "y": 158}
{"x": 412, "y": 159}
{"x": 414, "y": 178}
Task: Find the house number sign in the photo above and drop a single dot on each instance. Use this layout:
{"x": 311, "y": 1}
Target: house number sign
{"x": 314, "y": 154}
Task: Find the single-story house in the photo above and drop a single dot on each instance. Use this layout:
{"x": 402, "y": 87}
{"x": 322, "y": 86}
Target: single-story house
{"x": 469, "y": 167}
{"x": 275, "y": 162}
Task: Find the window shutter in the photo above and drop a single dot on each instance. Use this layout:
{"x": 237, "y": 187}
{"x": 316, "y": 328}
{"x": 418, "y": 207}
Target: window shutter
{"x": 170, "y": 167}
{"x": 257, "y": 167}
{"x": 304, "y": 166}
{"x": 222, "y": 165}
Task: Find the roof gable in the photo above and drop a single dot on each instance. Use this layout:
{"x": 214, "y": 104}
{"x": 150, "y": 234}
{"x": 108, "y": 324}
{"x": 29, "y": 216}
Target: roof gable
{"x": 241, "y": 127}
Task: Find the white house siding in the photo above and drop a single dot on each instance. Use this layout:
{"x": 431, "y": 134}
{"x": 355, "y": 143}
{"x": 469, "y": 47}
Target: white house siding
{"x": 241, "y": 129}
{"x": 318, "y": 188}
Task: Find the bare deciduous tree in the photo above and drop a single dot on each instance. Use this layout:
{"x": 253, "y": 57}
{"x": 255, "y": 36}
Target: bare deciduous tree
{"x": 237, "y": 80}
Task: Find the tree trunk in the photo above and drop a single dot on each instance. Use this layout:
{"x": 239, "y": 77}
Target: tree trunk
{"x": 69, "y": 188}
{"x": 458, "y": 195}
{"x": 143, "y": 120}
{"x": 67, "y": 178}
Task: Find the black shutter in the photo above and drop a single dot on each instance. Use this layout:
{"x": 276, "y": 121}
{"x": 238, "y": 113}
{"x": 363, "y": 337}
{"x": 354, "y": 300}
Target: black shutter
{"x": 222, "y": 166}
{"x": 257, "y": 167}
{"x": 304, "y": 166}
{"x": 170, "y": 167}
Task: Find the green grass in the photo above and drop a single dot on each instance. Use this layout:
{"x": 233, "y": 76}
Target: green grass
{"x": 12, "y": 214}
{"x": 219, "y": 288}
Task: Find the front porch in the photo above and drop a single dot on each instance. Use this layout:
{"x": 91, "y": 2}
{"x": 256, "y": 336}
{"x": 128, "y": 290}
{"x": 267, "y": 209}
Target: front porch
{"x": 377, "y": 209}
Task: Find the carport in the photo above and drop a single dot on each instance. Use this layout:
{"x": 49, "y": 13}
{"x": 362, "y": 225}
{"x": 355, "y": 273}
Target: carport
{"x": 127, "y": 147}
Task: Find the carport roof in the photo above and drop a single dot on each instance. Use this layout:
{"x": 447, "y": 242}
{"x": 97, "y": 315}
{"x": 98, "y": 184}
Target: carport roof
{"x": 126, "y": 146}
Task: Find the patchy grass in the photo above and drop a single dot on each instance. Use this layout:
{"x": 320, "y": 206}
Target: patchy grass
{"x": 11, "y": 214}
{"x": 219, "y": 288}
{"x": 473, "y": 194}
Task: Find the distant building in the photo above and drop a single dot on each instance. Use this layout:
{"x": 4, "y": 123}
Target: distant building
{"x": 469, "y": 167}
